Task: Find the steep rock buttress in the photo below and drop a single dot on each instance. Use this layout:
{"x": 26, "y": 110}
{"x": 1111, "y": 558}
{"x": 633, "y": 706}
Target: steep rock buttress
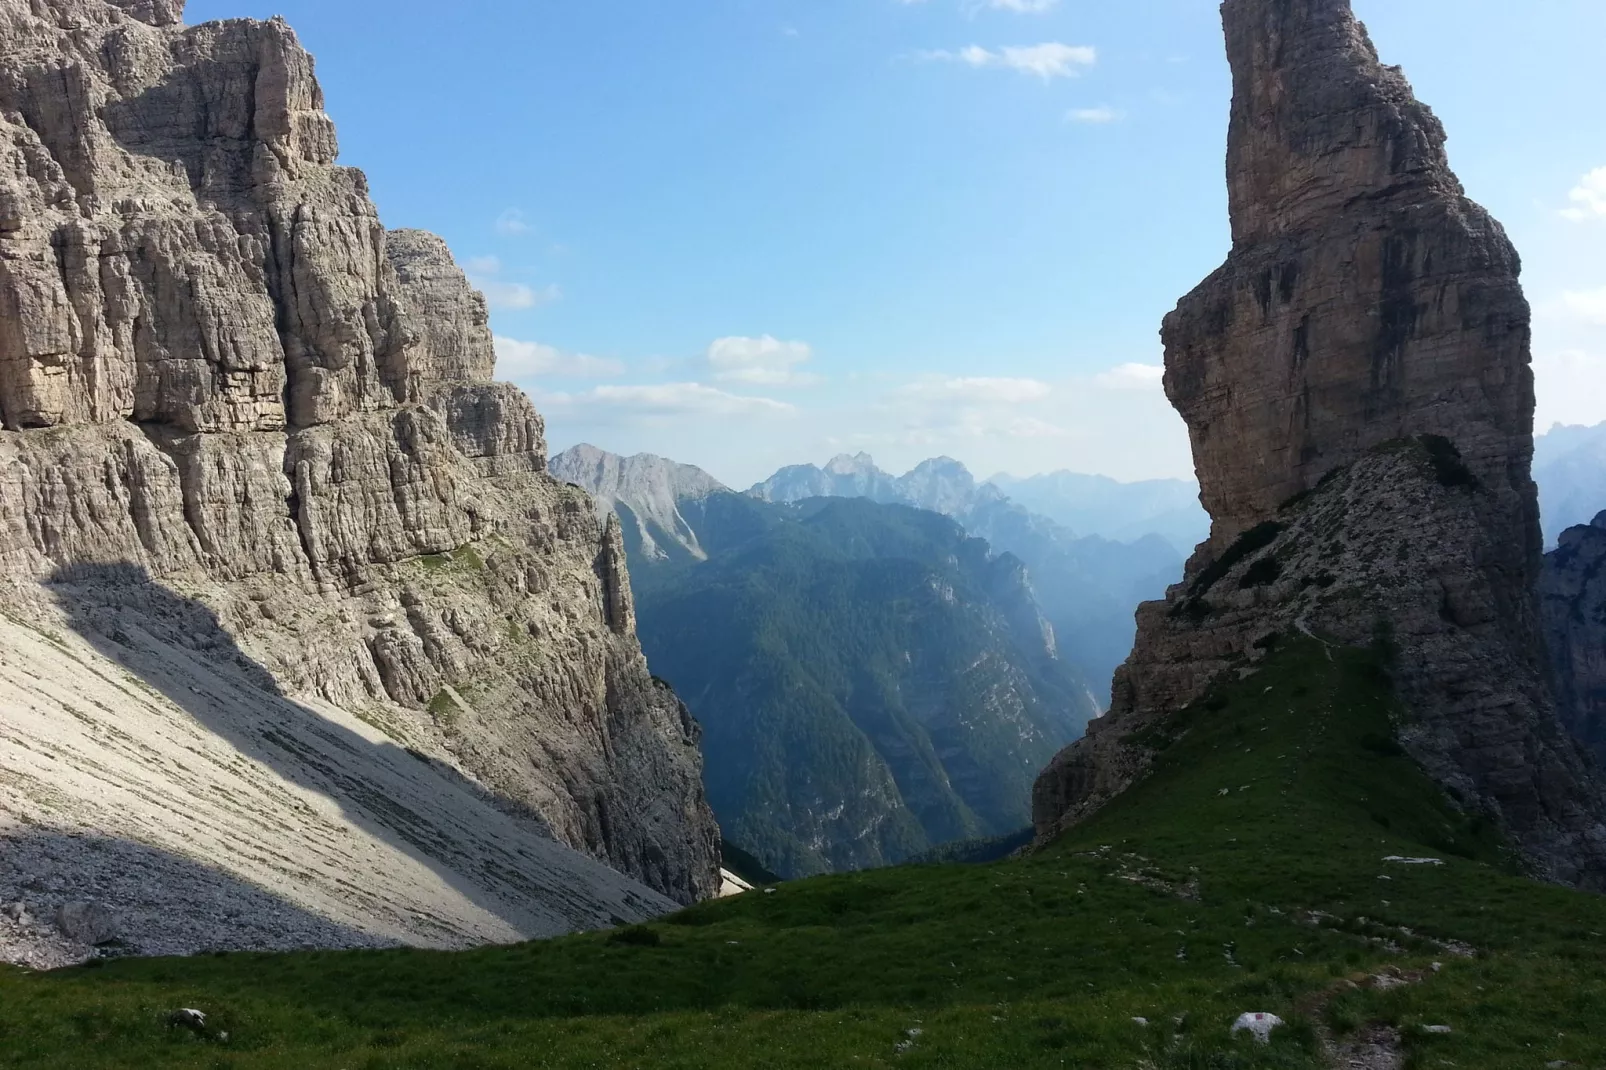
{"x": 222, "y": 377}
{"x": 1357, "y": 386}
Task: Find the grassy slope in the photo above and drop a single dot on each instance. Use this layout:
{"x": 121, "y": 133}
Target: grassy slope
{"x": 1035, "y": 962}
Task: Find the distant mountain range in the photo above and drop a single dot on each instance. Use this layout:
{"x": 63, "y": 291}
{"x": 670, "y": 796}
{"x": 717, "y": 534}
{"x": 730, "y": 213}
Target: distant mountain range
{"x": 871, "y": 680}
{"x": 1570, "y": 468}
{"x": 1125, "y": 512}
{"x": 1088, "y": 586}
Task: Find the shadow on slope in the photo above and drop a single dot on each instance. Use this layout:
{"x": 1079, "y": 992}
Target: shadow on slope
{"x": 162, "y": 904}
{"x": 494, "y": 855}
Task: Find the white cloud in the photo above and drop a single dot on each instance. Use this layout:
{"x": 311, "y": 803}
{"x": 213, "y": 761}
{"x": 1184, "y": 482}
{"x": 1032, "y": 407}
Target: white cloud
{"x": 516, "y": 360}
{"x": 1098, "y": 116}
{"x": 1588, "y": 198}
{"x": 1133, "y": 377}
{"x": 974, "y": 391}
{"x": 678, "y": 399}
{"x": 762, "y": 361}
{"x": 1586, "y": 305}
{"x": 513, "y": 296}
{"x": 508, "y": 296}
{"x": 1049, "y": 60}
{"x": 512, "y": 224}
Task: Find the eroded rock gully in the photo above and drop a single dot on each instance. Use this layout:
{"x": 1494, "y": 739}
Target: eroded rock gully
{"x": 1368, "y": 330}
{"x": 221, "y": 378}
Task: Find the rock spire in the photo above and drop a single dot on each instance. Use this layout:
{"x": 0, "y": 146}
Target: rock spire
{"x": 1356, "y": 383}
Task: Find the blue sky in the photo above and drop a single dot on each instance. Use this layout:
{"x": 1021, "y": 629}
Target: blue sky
{"x": 746, "y": 233}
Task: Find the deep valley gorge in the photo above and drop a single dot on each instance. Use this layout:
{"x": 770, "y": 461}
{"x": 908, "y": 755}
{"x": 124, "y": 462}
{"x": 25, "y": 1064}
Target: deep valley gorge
{"x": 346, "y": 723}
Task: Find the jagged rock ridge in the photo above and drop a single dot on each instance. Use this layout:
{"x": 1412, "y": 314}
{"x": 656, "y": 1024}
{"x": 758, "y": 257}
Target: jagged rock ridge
{"x": 1367, "y": 330}
{"x": 222, "y": 378}
{"x": 645, "y": 492}
{"x": 1574, "y": 601}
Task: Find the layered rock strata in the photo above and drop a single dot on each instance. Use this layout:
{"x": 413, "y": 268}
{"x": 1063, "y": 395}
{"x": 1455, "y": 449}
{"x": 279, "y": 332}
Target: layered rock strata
{"x": 1368, "y": 313}
{"x": 1574, "y": 602}
{"x": 223, "y": 380}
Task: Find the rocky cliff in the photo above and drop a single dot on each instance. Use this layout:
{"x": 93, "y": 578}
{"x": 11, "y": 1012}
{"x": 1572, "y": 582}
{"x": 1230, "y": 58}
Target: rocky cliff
{"x": 226, "y": 386}
{"x": 1573, "y": 588}
{"x": 1356, "y": 382}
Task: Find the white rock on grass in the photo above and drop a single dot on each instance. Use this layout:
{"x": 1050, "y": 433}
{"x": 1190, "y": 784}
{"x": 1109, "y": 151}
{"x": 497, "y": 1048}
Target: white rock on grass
{"x": 1259, "y": 1024}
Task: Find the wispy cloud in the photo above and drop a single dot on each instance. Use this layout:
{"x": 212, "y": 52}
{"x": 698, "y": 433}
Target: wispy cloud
{"x": 503, "y": 295}
{"x": 516, "y": 360}
{"x": 1133, "y": 377}
{"x": 762, "y": 361}
{"x": 974, "y": 391}
{"x": 671, "y": 399}
{"x": 1047, "y": 61}
{"x": 1099, "y": 116}
{"x": 512, "y": 224}
{"x": 1588, "y": 198}
{"x": 514, "y": 296}
{"x": 1020, "y": 7}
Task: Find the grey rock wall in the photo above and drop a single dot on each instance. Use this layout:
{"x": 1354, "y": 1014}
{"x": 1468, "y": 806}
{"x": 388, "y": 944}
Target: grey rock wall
{"x": 218, "y": 366}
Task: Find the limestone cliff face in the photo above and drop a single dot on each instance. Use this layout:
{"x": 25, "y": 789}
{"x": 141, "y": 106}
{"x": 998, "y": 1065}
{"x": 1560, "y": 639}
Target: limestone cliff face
{"x": 1368, "y": 310}
{"x": 217, "y": 365}
{"x": 1574, "y": 599}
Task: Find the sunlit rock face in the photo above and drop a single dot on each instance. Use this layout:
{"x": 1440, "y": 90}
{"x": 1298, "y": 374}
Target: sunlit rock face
{"x": 1366, "y": 342}
{"x": 217, "y": 367}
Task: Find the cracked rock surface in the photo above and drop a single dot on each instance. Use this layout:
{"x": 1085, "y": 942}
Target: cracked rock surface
{"x": 1356, "y": 381}
{"x": 246, "y": 425}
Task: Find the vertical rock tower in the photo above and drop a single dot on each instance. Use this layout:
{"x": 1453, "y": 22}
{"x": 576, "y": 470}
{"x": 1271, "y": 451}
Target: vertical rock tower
{"x": 1356, "y": 382}
{"x": 222, "y": 376}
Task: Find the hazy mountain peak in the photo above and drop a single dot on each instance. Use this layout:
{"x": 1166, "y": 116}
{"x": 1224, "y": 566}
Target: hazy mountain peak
{"x": 1570, "y": 468}
{"x": 851, "y": 464}
{"x": 647, "y": 487}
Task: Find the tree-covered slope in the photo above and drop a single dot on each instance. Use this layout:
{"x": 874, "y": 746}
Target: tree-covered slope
{"x": 1088, "y": 586}
{"x": 870, "y": 680}
{"x": 1249, "y": 873}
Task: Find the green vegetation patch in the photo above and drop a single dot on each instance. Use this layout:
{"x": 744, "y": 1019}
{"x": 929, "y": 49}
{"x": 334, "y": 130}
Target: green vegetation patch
{"x": 1244, "y": 547}
{"x": 1247, "y": 873}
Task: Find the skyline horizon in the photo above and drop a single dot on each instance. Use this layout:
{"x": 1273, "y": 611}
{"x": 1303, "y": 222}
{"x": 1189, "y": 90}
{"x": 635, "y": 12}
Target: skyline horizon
{"x": 893, "y": 471}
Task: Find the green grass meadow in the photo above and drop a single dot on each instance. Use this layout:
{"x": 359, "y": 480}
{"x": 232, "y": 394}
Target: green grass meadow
{"x": 1247, "y": 874}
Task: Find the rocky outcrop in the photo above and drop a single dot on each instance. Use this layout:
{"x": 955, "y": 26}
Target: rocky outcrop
{"x": 1573, "y": 589}
{"x": 223, "y": 380}
{"x": 1367, "y": 344}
